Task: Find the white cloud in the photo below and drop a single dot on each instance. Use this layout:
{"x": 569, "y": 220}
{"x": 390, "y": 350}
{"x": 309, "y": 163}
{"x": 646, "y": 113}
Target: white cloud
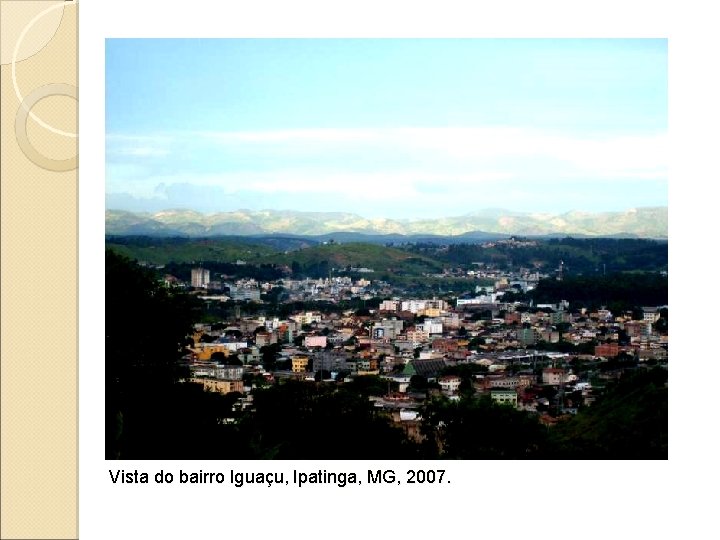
{"x": 637, "y": 156}
{"x": 140, "y": 151}
{"x": 409, "y": 165}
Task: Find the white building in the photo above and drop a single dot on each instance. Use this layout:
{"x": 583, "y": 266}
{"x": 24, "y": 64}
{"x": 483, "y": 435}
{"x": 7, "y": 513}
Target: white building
{"x": 432, "y": 326}
{"x": 316, "y": 341}
{"x": 417, "y": 306}
{"x": 308, "y": 317}
{"x": 553, "y": 376}
{"x": 200, "y": 277}
{"x": 246, "y": 294}
{"x": 449, "y": 384}
{"x": 478, "y": 300}
{"x": 389, "y": 305}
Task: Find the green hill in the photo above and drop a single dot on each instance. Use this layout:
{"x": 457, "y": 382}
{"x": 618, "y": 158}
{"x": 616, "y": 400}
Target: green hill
{"x": 316, "y": 260}
{"x": 187, "y": 250}
{"x": 381, "y": 259}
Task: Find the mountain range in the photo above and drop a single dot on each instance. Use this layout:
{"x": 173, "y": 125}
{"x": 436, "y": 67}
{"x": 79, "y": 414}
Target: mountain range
{"x": 649, "y": 222}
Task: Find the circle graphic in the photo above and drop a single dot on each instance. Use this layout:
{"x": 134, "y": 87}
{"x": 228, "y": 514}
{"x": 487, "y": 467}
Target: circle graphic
{"x": 40, "y": 93}
{"x": 14, "y": 61}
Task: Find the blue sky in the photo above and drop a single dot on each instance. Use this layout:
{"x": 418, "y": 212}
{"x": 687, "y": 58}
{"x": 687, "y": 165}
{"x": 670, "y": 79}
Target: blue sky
{"x": 386, "y": 128}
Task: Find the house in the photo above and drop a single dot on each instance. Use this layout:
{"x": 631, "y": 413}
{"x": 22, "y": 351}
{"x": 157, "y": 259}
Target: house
{"x": 220, "y": 385}
{"x": 526, "y": 379}
{"x": 429, "y": 368}
{"x": 504, "y": 396}
{"x": 553, "y": 376}
{"x": 504, "y": 382}
{"x": 300, "y": 364}
{"x": 204, "y": 351}
{"x": 526, "y": 336}
{"x": 650, "y": 314}
{"x": 265, "y": 338}
{"x": 607, "y": 350}
{"x": 445, "y": 345}
{"x": 403, "y": 381}
{"x": 316, "y": 341}
{"x": 449, "y": 384}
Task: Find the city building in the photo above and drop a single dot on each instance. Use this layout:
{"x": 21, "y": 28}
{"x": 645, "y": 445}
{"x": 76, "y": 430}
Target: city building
{"x": 200, "y": 278}
{"x": 504, "y": 396}
{"x": 449, "y": 384}
{"x": 221, "y": 386}
{"x": 552, "y": 376}
{"x": 607, "y": 350}
{"x": 300, "y": 364}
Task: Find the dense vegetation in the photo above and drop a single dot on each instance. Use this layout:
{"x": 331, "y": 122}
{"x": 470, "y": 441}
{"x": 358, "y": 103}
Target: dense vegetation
{"x": 148, "y": 414}
{"x": 586, "y": 256}
{"x": 477, "y": 428}
{"x": 157, "y": 250}
{"x": 628, "y": 421}
{"x": 296, "y": 420}
{"x": 593, "y": 256}
{"x": 619, "y": 292}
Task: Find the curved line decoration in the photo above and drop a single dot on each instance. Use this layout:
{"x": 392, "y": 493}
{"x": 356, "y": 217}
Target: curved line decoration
{"x": 14, "y": 75}
{"x": 21, "y": 118}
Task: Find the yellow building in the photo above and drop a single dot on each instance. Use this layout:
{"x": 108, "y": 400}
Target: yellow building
{"x": 300, "y": 364}
{"x": 204, "y": 353}
{"x": 219, "y": 385}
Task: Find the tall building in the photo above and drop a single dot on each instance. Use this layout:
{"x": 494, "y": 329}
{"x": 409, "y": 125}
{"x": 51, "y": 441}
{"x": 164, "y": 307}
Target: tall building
{"x": 200, "y": 277}
{"x": 526, "y": 336}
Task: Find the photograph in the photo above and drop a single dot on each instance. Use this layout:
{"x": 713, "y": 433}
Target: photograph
{"x": 386, "y": 249}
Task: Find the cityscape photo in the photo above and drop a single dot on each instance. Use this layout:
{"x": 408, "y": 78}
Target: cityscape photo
{"x": 386, "y": 249}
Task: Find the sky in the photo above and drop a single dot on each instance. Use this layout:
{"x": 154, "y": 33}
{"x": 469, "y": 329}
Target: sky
{"x": 394, "y": 128}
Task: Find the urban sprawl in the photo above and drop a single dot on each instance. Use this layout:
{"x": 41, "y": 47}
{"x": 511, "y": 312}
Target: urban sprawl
{"x": 420, "y": 345}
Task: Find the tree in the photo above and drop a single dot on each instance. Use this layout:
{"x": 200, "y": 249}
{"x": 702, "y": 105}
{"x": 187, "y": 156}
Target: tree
{"x": 418, "y": 383}
{"x": 322, "y": 375}
{"x": 370, "y": 385}
{"x": 563, "y": 327}
{"x": 269, "y": 355}
{"x": 628, "y": 421}
{"x": 661, "y": 325}
{"x": 283, "y": 364}
{"x": 149, "y": 413}
{"x": 234, "y": 360}
{"x": 480, "y": 429}
{"x": 218, "y": 356}
{"x": 342, "y": 374}
{"x": 296, "y": 420}
{"x": 466, "y": 388}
